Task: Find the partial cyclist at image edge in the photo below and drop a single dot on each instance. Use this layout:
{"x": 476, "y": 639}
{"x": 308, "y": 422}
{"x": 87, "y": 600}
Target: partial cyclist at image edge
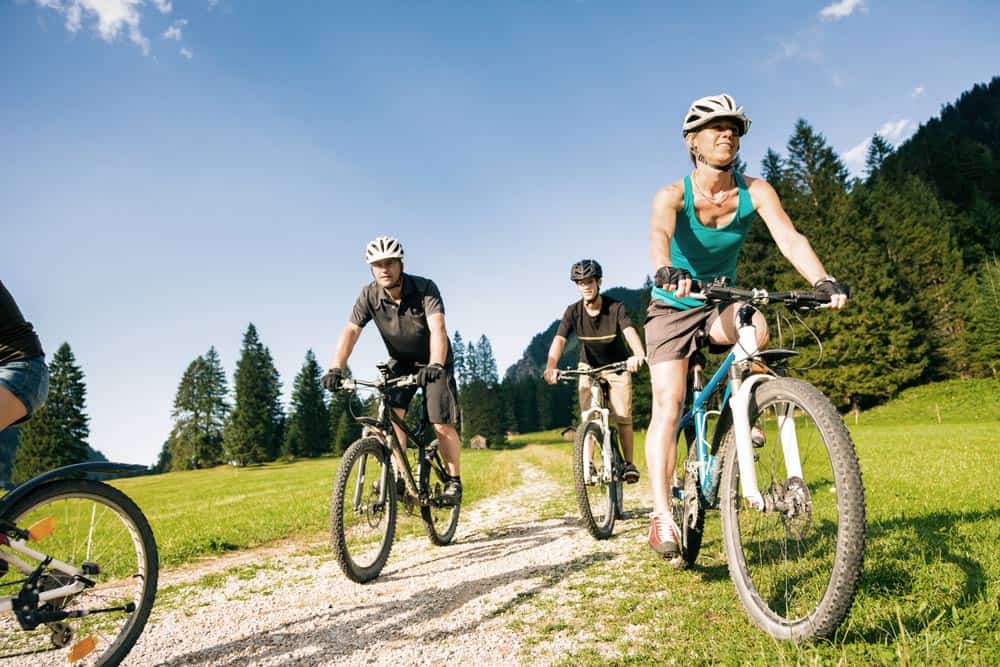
{"x": 409, "y": 314}
{"x": 606, "y": 336}
{"x": 24, "y": 377}
{"x": 697, "y": 228}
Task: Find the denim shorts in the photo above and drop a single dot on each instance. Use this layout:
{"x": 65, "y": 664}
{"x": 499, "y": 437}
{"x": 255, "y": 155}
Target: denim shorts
{"x": 27, "y": 379}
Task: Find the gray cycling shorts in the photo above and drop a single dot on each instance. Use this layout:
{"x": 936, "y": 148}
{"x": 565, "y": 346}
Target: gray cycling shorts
{"x": 677, "y": 334}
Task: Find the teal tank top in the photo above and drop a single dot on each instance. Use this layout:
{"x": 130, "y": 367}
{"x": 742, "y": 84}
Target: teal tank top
{"x": 706, "y": 252}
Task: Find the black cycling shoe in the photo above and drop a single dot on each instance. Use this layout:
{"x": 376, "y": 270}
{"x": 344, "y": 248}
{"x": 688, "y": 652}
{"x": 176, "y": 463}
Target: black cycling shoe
{"x": 400, "y": 488}
{"x": 630, "y": 473}
{"x": 452, "y": 494}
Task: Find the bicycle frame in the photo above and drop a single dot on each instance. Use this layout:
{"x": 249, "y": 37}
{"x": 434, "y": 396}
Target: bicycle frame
{"x": 737, "y": 394}
{"x": 382, "y": 429}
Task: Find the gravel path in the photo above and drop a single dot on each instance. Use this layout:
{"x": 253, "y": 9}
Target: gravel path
{"x": 289, "y": 604}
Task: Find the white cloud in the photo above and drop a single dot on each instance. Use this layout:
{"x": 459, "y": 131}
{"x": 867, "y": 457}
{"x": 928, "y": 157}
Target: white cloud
{"x": 842, "y": 9}
{"x": 165, "y": 6}
{"x": 893, "y": 131}
{"x": 918, "y": 91}
{"x": 111, "y": 17}
{"x": 838, "y": 80}
{"x": 174, "y": 31}
{"x": 212, "y": 4}
{"x": 187, "y": 53}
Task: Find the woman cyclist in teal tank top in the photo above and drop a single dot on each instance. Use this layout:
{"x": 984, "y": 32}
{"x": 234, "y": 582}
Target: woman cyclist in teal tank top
{"x": 697, "y": 228}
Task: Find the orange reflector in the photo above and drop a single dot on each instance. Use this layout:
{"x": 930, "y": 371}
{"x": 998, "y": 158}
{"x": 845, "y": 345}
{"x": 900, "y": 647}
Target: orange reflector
{"x": 42, "y": 529}
{"x": 82, "y": 649}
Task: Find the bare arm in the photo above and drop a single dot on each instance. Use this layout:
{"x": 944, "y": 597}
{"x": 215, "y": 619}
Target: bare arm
{"x": 635, "y": 344}
{"x": 662, "y": 223}
{"x": 345, "y": 345}
{"x": 792, "y": 243}
{"x": 439, "y": 338}
{"x": 555, "y": 353}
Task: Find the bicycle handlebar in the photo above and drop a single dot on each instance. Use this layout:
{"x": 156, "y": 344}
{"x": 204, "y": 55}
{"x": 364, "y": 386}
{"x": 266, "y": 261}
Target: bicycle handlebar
{"x": 617, "y": 367}
{"x": 759, "y": 297}
{"x": 352, "y": 384}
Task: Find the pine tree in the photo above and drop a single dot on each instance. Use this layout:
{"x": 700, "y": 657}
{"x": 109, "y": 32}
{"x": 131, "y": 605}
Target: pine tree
{"x": 199, "y": 413}
{"x": 253, "y": 430}
{"x": 982, "y": 342}
{"x": 308, "y": 426}
{"x": 458, "y": 351}
{"x": 878, "y": 150}
{"x": 57, "y": 433}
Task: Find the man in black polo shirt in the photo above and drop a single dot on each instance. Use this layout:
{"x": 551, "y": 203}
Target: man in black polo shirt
{"x": 409, "y": 315}
{"x": 601, "y": 323}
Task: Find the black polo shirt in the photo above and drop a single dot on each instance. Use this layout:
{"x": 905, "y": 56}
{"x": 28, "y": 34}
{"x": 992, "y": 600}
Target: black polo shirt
{"x": 602, "y": 336}
{"x": 403, "y": 327}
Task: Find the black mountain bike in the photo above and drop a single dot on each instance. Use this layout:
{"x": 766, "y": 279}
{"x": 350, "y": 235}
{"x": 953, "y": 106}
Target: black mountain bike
{"x": 78, "y": 569}
{"x": 363, "y": 508}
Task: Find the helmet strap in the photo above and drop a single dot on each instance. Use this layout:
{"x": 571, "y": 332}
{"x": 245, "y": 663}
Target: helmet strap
{"x": 718, "y": 167}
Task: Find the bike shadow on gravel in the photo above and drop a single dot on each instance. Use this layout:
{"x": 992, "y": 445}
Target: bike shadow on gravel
{"x": 340, "y": 634}
{"x": 491, "y": 545}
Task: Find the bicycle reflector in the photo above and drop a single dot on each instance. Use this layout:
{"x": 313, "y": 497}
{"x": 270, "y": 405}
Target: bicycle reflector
{"x": 82, "y": 649}
{"x": 42, "y": 529}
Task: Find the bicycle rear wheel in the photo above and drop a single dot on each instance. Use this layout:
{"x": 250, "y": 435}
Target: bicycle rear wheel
{"x": 597, "y": 500}
{"x": 440, "y": 521}
{"x": 796, "y": 564}
{"x": 363, "y": 510}
{"x": 98, "y": 529}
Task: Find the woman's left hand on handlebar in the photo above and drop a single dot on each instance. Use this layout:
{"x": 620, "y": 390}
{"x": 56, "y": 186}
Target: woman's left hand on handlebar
{"x": 838, "y": 292}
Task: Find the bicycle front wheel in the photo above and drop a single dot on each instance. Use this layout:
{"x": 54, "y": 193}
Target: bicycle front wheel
{"x": 363, "y": 510}
{"x": 597, "y": 499}
{"x": 795, "y": 564}
{"x": 97, "y": 529}
{"x": 440, "y": 521}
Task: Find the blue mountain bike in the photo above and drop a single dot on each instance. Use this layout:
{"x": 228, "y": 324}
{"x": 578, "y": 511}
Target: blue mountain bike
{"x": 78, "y": 569}
{"x": 779, "y": 464}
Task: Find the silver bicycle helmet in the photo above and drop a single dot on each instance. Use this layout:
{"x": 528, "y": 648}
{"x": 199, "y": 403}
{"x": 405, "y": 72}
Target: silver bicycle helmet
{"x": 383, "y": 247}
{"x": 707, "y": 109}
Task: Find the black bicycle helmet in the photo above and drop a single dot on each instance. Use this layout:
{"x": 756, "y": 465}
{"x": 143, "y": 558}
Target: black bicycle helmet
{"x": 584, "y": 269}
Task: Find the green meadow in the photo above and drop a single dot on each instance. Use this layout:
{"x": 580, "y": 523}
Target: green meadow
{"x": 930, "y": 591}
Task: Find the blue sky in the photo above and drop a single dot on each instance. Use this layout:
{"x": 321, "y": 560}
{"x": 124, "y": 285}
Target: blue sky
{"x": 174, "y": 170}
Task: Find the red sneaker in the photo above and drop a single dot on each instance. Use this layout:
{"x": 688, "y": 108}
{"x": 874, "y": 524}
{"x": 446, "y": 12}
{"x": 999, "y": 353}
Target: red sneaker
{"x": 664, "y": 535}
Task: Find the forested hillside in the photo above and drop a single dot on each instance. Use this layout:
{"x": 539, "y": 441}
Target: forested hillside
{"x": 917, "y": 239}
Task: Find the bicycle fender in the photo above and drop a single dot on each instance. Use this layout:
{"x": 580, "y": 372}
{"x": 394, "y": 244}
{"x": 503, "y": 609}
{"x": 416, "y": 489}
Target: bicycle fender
{"x": 27, "y": 487}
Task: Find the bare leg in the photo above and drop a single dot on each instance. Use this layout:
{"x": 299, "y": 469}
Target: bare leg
{"x": 669, "y": 386}
{"x": 11, "y": 408}
{"x": 401, "y": 437}
{"x": 450, "y": 446}
{"x": 627, "y": 440}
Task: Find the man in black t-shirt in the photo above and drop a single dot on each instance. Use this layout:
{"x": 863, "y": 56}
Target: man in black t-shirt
{"x": 603, "y": 328}
{"x": 409, "y": 314}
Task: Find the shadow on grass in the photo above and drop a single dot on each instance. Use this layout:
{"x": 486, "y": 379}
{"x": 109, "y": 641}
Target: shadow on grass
{"x": 893, "y": 579}
{"x": 329, "y": 636}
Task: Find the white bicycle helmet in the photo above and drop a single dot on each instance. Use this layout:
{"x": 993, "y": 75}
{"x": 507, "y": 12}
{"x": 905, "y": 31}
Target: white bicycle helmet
{"x": 709, "y": 108}
{"x": 383, "y": 247}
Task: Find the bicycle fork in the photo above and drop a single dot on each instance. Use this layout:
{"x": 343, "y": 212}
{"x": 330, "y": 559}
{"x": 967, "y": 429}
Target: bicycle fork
{"x": 606, "y": 472}
{"x": 739, "y": 403}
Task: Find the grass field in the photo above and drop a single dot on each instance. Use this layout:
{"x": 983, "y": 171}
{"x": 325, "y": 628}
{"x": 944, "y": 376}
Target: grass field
{"x": 930, "y": 591}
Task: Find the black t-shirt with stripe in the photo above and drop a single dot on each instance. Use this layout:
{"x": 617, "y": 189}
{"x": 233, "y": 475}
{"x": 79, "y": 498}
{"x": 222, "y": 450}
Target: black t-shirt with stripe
{"x": 602, "y": 337}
